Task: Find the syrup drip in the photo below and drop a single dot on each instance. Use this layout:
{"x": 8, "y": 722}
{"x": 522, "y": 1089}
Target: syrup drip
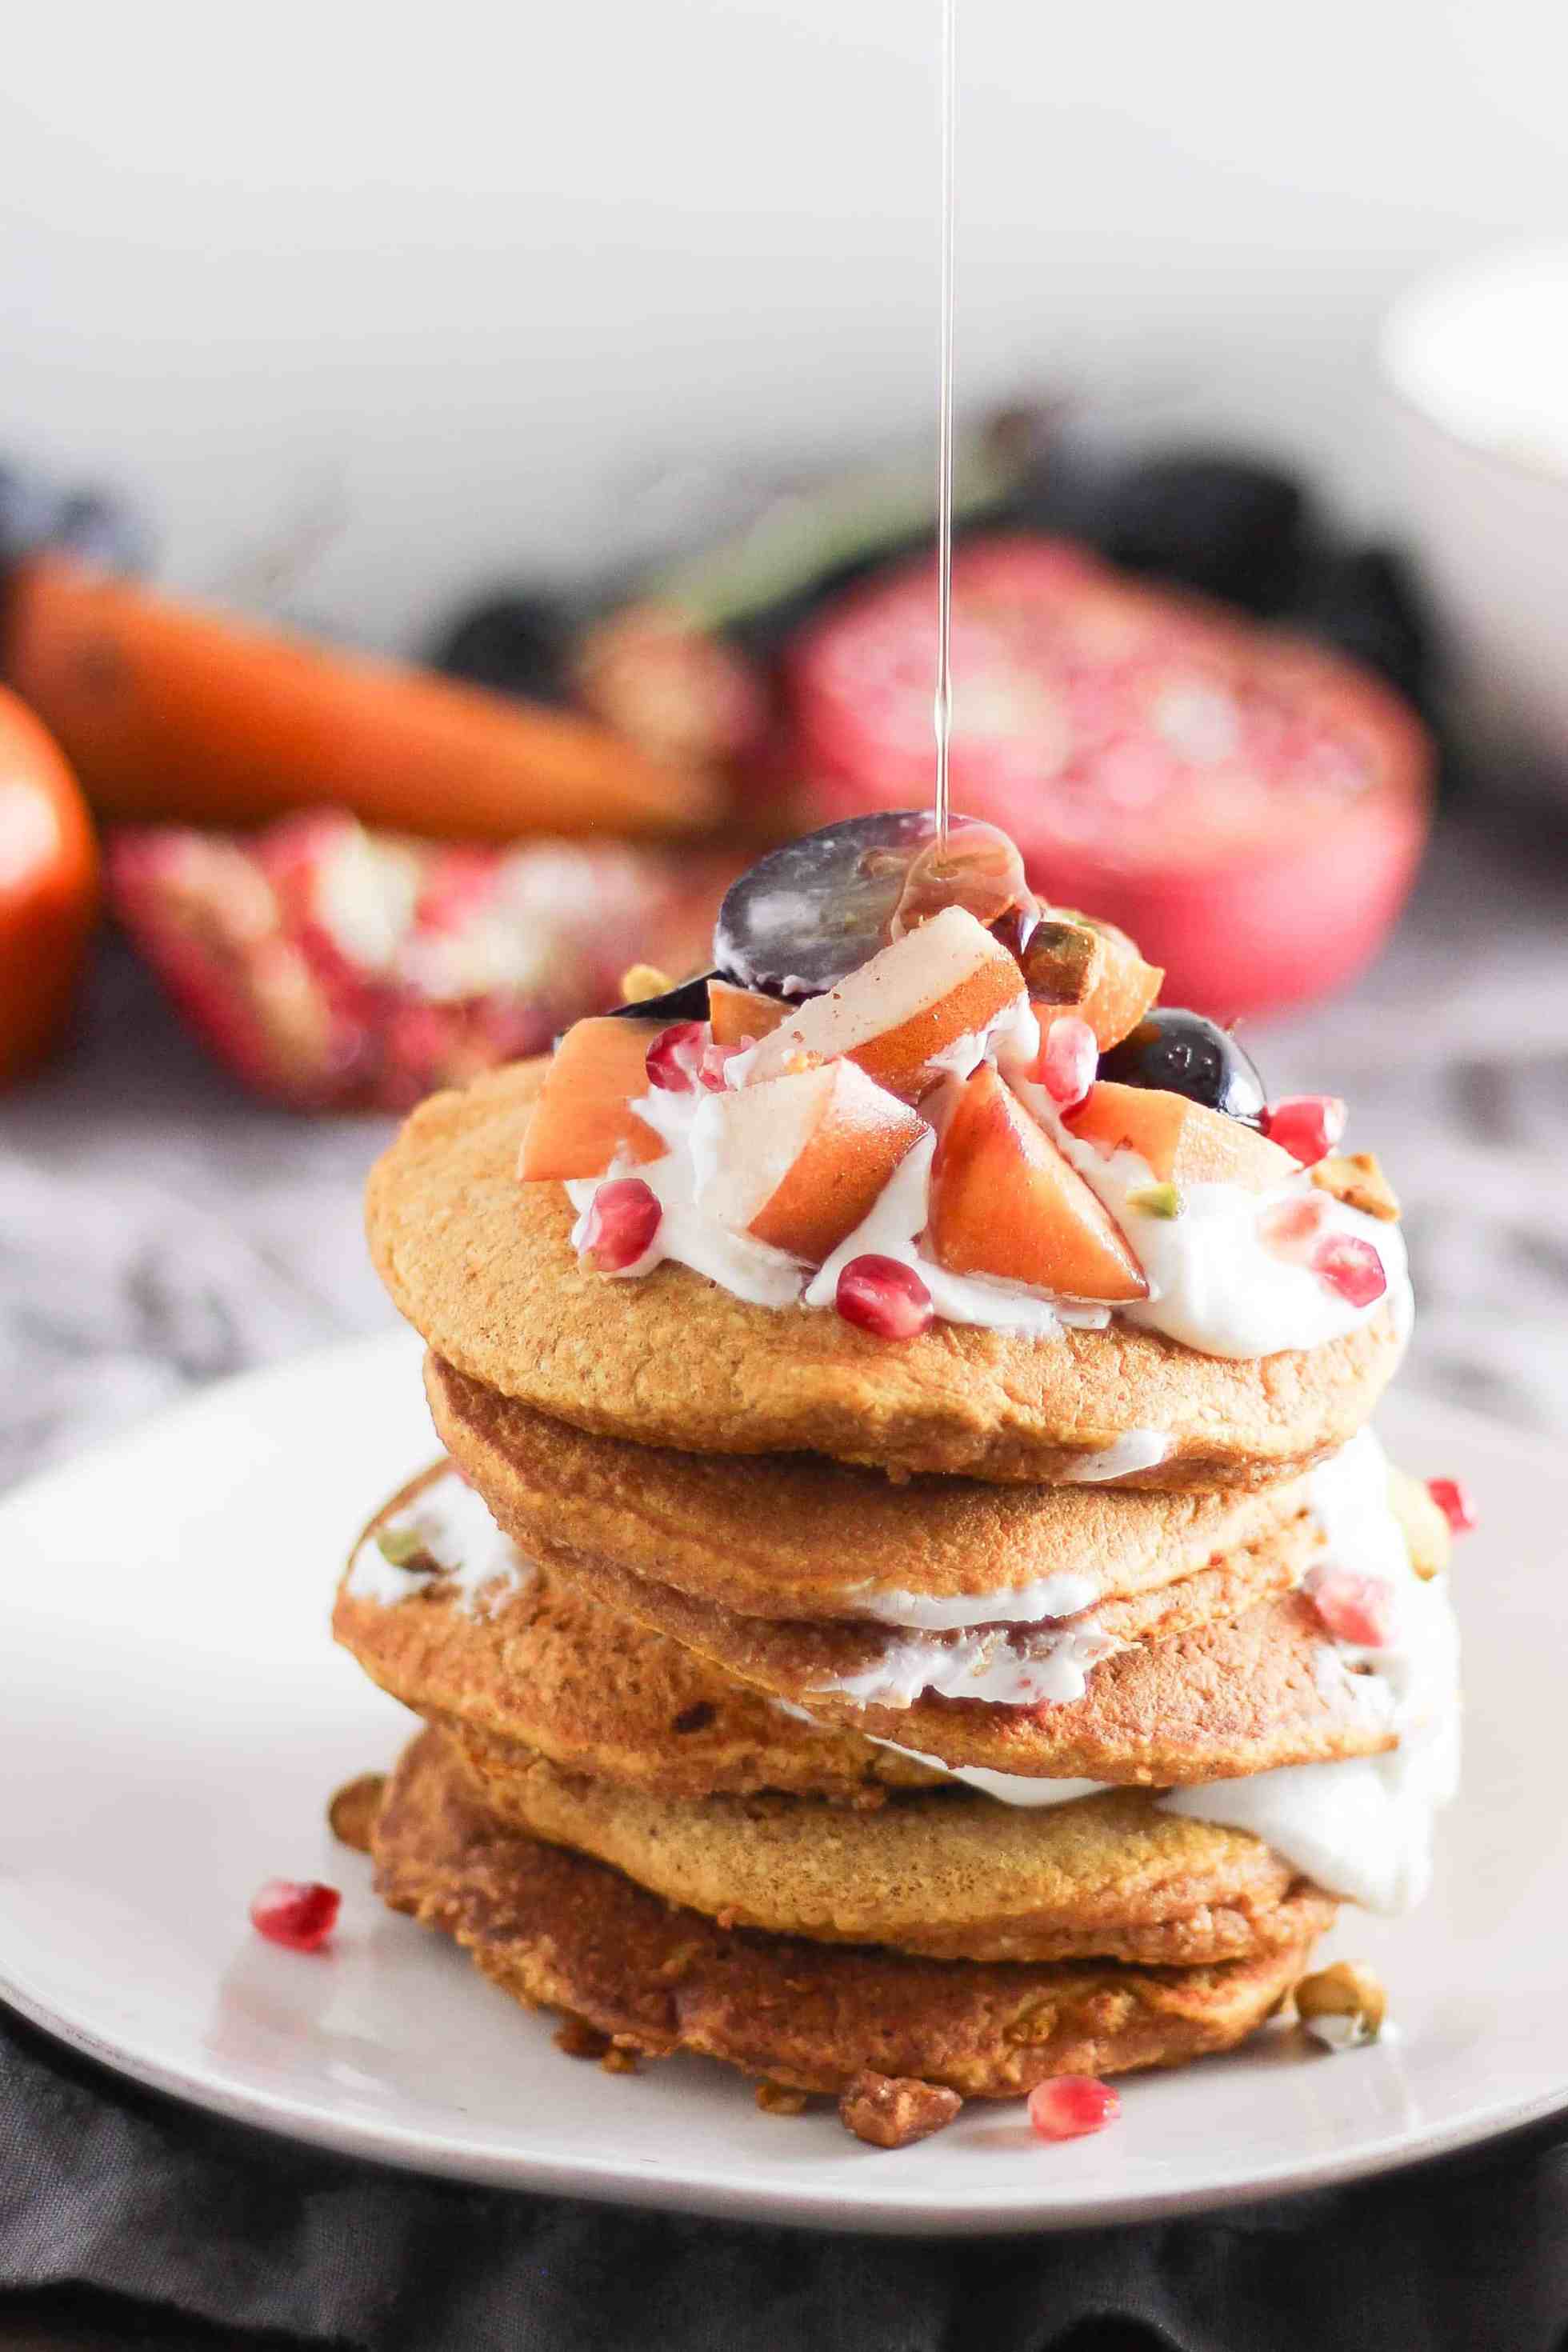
{"x": 942, "y": 713}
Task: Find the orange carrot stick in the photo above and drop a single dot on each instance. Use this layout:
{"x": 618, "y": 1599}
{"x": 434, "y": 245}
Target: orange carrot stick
{"x": 177, "y": 715}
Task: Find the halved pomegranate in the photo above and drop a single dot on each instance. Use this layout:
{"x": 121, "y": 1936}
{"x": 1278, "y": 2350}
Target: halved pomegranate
{"x": 1248, "y": 805}
{"x": 331, "y": 967}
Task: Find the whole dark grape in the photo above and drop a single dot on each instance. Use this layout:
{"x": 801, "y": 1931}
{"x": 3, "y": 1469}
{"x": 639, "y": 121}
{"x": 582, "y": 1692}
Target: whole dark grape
{"x": 1182, "y": 1053}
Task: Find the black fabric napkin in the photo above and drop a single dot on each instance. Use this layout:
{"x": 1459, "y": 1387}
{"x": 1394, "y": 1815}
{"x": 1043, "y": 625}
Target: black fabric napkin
{"x": 108, "y": 2186}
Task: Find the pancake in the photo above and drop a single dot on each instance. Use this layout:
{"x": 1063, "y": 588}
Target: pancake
{"x": 794, "y": 1536}
{"x": 949, "y": 1874}
{"x": 1216, "y": 1703}
{"x": 557, "y": 1929}
{"x": 540, "y": 1663}
{"x": 482, "y": 1267}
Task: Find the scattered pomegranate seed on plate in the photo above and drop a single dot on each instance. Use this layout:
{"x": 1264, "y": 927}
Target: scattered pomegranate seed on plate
{"x": 676, "y": 1056}
{"x": 1358, "y": 1608}
{"x": 624, "y": 1216}
{"x": 1069, "y": 2105}
{"x": 884, "y": 1296}
{"x": 299, "y": 1914}
{"x": 1069, "y": 1055}
{"x": 1351, "y": 1268}
{"x": 1306, "y": 1125}
{"x": 1456, "y": 1503}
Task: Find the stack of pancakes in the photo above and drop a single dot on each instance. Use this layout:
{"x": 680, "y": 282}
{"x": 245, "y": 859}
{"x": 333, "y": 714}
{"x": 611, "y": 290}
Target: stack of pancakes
{"x": 814, "y": 1702}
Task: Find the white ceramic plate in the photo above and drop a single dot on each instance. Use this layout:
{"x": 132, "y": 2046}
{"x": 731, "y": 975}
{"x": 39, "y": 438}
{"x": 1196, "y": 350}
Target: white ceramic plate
{"x": 172, "y": 1717}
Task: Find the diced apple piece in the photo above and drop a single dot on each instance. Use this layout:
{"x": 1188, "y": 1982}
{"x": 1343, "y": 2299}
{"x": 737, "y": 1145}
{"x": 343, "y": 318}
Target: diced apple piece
{"x": 1073, "y": 963}
{"x": 1004, "y": 1201}
{"x": 736, "y": 1013}
{"x": 583, "y": 1116}
{"x": 909, "y": 1004}
{"x": 801, "y": 1158}
{"x": 1183, "y": 1142}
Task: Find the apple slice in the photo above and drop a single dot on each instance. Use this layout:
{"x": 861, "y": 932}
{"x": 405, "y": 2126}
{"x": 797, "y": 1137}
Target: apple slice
{"x": 801, "y": 1158}
{"x": 1073, "y": 963}
{"x": 583, "y": 1116}
{"x": 1004, "y": 1201}
{"x": 1182, "y": 1141}
{"x": 738, "y": 1012}
{"x": 909, "y": 1004}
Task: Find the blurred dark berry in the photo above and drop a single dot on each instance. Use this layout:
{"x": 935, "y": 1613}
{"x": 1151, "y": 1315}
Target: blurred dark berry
{"x": 1218, "y": 524}
{"x": 515, "y": 645}
{"x": 1368, "y": 604}
{"x": 36, "y": 512}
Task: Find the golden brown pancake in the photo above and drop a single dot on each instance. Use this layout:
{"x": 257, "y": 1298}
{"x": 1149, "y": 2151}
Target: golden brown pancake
{"x": 555, "y": 1928}
{"x": 483, "y": 1266}
{"x": 949, "y": 1873}
{"x": 547, "y": 1667}
{"x": 791, "y": 1534}
{"x": 1213, "y": 1704}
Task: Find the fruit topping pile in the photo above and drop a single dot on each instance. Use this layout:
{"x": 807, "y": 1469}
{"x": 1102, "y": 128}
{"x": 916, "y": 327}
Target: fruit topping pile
{"x": 333, "y": 967}
{"x": 1013, "y": 1056}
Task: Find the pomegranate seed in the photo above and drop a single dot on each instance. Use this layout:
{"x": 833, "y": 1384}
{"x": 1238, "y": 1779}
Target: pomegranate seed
{"x": 622, "y": 1217}
{"x": 1069, "y": 1054}
{"x": 295, "y": 1913}
{"x": 1354, "y": 1608}
{"x": 716, "y": 1060}
{"x": 1352, "y": 1267}
{"x": 675, "y": 1055}
{"x": 1070, "y": 2105}
{"x": 1454, "y": 1502}
{"x": 1306, "y": 1125}
{"x": 1289, "y": 1230}
{"x": 884, "y": 1296}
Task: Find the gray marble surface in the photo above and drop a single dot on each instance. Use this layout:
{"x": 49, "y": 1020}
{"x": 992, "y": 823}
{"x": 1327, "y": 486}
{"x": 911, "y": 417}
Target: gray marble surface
{"x": 159, "y": 1230}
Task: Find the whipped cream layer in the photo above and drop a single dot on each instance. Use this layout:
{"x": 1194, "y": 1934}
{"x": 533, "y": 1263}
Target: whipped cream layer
{"x": 452, "y": 1527}
{"x": 1362, "y": 1828}
{"x": 1213, "y": 1286}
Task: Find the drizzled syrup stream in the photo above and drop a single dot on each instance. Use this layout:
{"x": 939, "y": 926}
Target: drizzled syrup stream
{"x": 942, "y": 713}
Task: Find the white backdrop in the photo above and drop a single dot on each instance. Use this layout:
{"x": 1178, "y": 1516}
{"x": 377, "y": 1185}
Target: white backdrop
{"x": 469, "y": 271}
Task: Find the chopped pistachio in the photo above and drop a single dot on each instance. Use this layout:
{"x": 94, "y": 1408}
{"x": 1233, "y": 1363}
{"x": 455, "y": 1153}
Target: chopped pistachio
{"x": 403, "y": 1547}
{"x": 1157, "y": 1201}
{"x": 1342, "y": 2006}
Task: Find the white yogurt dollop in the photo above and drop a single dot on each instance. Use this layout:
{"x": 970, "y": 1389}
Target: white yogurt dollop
{"x": 452, "y": 1524}
{"x": 1362, "y": 1828}
{"x": 1213, "y": 1286}
{"x": 1053, "y": 1671}
{"x": 1062, "y": 1594}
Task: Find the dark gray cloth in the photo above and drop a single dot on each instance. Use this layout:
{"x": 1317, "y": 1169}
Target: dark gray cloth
{"x": 107, "y": 2185}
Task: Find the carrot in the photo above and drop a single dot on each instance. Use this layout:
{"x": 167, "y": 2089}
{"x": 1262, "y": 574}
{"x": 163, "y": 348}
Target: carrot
{"x": 48, "y": 888}
{"x": 179, "y": 715}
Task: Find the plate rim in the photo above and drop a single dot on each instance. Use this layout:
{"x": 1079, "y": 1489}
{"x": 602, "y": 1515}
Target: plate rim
{"x": 619, "y": 2181}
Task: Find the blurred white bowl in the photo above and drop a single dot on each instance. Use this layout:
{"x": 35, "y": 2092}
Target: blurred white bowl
{"x": 1476, "y": 360}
